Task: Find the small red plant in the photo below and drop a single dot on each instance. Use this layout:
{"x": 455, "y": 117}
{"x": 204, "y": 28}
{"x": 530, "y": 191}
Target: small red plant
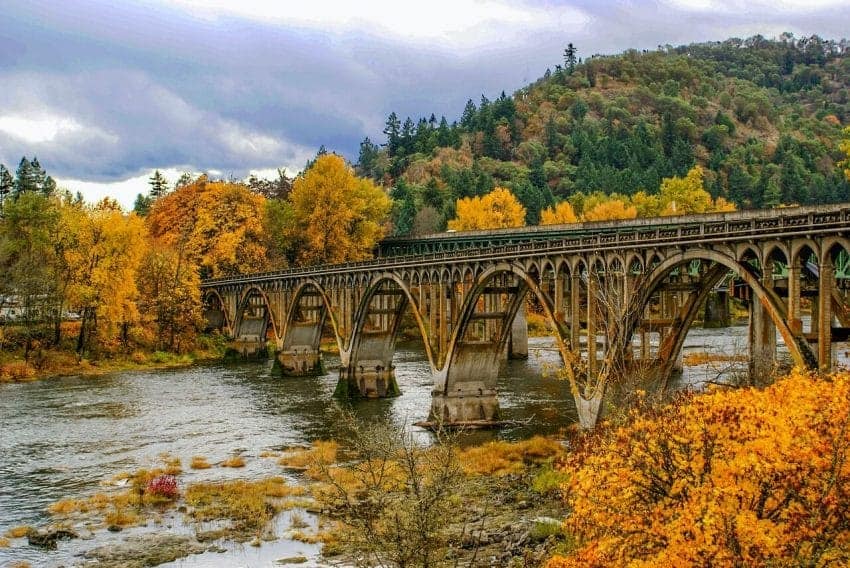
{"x": 163, "y": 486}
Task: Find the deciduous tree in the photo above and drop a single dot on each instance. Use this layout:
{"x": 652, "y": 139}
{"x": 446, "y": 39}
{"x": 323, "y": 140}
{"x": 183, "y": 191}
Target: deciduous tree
{"x": 341, "y": 216}
{"x": 499, "y": 209}
{"x": 560, "y": 214}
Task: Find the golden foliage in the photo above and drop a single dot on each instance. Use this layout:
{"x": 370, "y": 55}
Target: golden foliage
{"x": 730, "y": 478}
{"x": 610, "y": 210}
{"x": 218, "y": 226}
{"x": 18, "y": 532}
{"x": 687, "y": 195}
{"x": 561, "y": 214}
{"x": 322, "y": 454}
{"x": 340, "y": 216}
{"x": 499, "y": 209}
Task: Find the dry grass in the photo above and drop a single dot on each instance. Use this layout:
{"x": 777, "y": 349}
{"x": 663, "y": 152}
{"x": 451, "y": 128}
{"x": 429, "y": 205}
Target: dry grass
{"x": 702, "y": 358}
{"x": 172, "y": 464}
{"x": 322, "y": 454}
{"x": 19, "y": 564}
{"x": 5, "y": 542}
{"x": 18, "y": 532}
{"x": 199, "y": 462}
{"x": 250, "y": 504}
{"x": 503, "y": 458}
{"x": 121, "y": 517}
{"x": 234, "y": 461}
{"x": 16, "y": 371}
{"x": 269, "y": 454}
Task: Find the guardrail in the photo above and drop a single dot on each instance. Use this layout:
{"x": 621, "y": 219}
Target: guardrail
{"x": 706, "y": 229}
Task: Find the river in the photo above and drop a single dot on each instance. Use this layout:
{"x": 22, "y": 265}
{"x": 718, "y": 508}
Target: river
{"x": 66, "y": 437}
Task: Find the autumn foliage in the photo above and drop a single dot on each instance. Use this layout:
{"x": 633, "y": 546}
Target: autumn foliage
{"x": 560, "y": 214}
{"x": 499, "y": 209}
{"x": 730, "y": 478}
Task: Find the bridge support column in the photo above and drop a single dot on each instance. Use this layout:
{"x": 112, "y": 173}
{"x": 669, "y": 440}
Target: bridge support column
{"x": 824, "y": 313}
{"x": 795, "y": 324}
{"x": 762, "y": 337}
{"x": 250, "y": 341}
{"x": 518, "y": 340}
{"x": 370, "y": 372}
{"x": 716, "y": 310}
{"x": 369, "y": 379}
{"x": 300, "y": 361}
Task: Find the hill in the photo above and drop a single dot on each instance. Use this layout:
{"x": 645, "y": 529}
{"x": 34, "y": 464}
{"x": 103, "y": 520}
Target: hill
{"x": 763, "y": 117}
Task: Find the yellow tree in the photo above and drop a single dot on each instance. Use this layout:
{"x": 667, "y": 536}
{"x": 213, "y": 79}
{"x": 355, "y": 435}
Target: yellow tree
{"x": 646, "y": 205}
{"x": 499, "y": 209}
{"x": 560, "y": 214}
{"x": 340, "y": 216}
{"x": 103, "y": 270}
{"x": 611, "y": 210}
{"x": 217, "y": 226}
{"x": 685, "y": 196}
{"x": 170, "y": 297}
{"x": 845, "y": 148}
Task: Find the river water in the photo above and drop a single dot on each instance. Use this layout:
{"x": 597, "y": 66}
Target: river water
{"x": 65, "y": 437}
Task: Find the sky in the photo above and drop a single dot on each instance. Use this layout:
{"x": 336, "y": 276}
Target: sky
{"x": 104, "y": 92}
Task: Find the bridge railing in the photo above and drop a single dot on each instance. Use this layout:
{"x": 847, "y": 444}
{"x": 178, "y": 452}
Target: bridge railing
{"x": 632, "y": 234}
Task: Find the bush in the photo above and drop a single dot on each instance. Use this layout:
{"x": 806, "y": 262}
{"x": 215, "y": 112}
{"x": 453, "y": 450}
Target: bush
{"x": 164, "y": 486}
{"x": 731, "y": 478}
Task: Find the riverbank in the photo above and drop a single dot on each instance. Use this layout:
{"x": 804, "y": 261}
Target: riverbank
{"x": 503, "y": 506}
{"x": 50, "y": 363}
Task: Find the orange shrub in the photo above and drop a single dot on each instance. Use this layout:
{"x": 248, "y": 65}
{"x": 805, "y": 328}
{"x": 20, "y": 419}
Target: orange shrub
{"x": 730, "y": 478}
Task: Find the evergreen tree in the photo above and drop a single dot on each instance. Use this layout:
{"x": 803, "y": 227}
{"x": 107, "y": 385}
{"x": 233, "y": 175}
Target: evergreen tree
{"x": 407, "y": 140}
{"x": 7, "y": 185}
{"x": 444, "y": 135}
{"x": 159, "y": 185}
{"x": 38, "y": 175}
{"x": 392, "y": 130}
{"x": 48, "y": 188}
{"x": 24, "y": 179}
{"x": 367, "y": 158}
{"x": 142, "y": 205}
{"x": 468, "y": 118}
{"x": 570, "y": 57}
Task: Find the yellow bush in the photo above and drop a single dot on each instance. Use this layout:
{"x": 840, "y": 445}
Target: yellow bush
{"x": 234, "y": 461}
{"x": 199, "y": 462}
{"x": 730, "y": 478}
{"x": 247, "y": 502}
{"x": 18, "y": 532}
{"x": 323, "y": 453}
{"x": 16, "y": 371}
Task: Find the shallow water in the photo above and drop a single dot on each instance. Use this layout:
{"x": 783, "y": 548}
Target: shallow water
{"x": 65, "y": 437}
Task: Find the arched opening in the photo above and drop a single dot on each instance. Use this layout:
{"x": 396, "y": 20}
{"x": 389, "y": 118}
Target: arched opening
{"x": 254, "y": 325}
{"x": 310, "y": 318}
{"x": 381, "y": 317}
{"x": 671, "y": 299}
{"x": 216, "y": 317}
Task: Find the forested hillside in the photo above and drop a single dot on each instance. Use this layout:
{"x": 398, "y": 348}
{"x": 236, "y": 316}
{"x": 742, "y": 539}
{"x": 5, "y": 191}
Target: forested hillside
{"x": 763, "y": 118}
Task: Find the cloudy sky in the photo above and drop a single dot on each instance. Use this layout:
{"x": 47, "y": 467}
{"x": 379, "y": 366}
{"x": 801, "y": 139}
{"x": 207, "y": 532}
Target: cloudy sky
{"x": 103, "y": 92}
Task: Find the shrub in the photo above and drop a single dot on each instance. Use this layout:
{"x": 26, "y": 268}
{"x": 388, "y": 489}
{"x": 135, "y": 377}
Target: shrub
{"x": 164, "y": 486}
{"x": 199, "y": 462}
{"x": 740, "y": 477}
{"x": 234, "y": 461}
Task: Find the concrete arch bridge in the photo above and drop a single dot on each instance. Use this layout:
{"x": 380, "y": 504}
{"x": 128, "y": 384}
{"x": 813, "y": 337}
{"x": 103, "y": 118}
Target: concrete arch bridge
{"x": 620, "y": 297}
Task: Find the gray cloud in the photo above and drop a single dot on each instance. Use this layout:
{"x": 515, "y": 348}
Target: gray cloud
{"x": 142, "y": 85}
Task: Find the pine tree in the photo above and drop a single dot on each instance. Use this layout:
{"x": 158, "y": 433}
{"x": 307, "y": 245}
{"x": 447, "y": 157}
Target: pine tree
{"x": 48, "y": 188}
{"x": 570, "y": 57}
{"x": 467, "y": 119}
{"x": 142, "y": 205}
{"x": 366, "y": 158}
{"x": 7, "y": 184}
{"x": 38, "y": 175}
{"x": 159, "y": 185}
{"x": 24, "y": 178}
{"x": 392, "y": 130}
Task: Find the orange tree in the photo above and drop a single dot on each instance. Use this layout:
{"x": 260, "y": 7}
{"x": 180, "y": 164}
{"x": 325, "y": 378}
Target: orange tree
{"x": 560, "y": 214}
{"x": 731, "y": 478}
{"x": 217, "y": 226}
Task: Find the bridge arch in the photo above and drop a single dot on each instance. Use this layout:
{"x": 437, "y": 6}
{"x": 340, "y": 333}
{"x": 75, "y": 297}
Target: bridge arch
{"x": 799, "y": 349}
{"x": 465, "y": 386}
{"x": 329, "y": 313}
{"x": 213, "y": 302}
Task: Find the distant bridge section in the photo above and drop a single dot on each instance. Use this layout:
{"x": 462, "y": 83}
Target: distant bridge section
{"x": 620, "y": 297}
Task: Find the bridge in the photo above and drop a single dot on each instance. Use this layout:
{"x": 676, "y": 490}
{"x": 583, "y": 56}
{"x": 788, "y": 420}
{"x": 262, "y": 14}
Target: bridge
{"x": 620, "y": 297}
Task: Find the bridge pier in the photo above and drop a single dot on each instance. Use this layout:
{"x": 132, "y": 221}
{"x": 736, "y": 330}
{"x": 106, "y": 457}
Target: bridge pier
{"x": 300, "y": 361}
{"x": 762, "y": 338}
{"x": 250, "y": 343}
{"x": 368, "y": 379}
{"x": 517, "y": 346}
{"x": 471, "y": 399}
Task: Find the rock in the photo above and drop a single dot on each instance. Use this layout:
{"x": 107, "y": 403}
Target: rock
{"x": 139, "y": 551}
{"x": 114, "y": 528}
{"x": 46, "y": 538}
{"x": 216, "y": 549}
{"x": 292, "y": 560}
